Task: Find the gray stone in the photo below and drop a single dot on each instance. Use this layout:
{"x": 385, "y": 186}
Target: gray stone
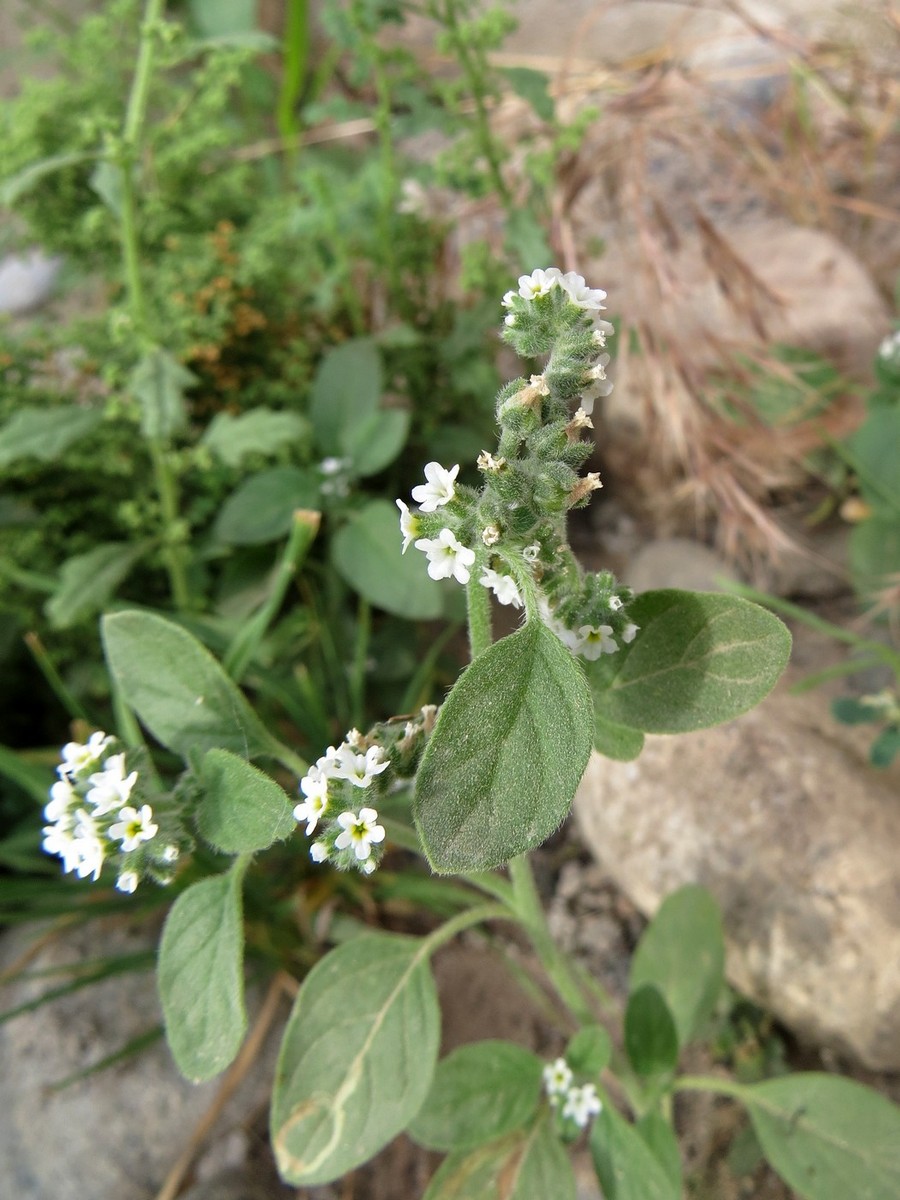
{"x": 677, "y": 563}
{"x": 778, "y": 814}
{"x": 27, "y": 281}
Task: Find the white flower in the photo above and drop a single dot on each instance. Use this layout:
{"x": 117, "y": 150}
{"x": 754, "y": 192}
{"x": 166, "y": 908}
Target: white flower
{"x": 439, "y": 489}
{"x": 314, "y": 786}
{"x": 133, "y": 827}
{"x": 596, "y": 640}
{"x": 78, "y": 759}
{"x": 63, "y": 799}
{"x": 170, "y": 854}
{"x": 89, "y": 852}
{"x": 530, "y": 553}
{"x": 110, "y": 788}
{"x": 581, "y": 1104}
{"x": 333, "y": 466}
{"x": 360, "y": 832}
{"x": 127, "y": 881}
{"x": 614, "y": 603}
{"x": 369, "y": 866}
{"x": 539, "y": 283}
{"x": 628, "y": 633}
{"x": 557, "y": 1079}
{"x": 490, "y": 535}
{"x": 447, "y": 556}
{"x": 503, "y": 587}
{"x": 359, "y": 769}
{"x": 328, "y": 763}
{"x": 507, "y": 300}
{"x": 487, "y": 462}
{"x": 318, "y": 852}
{"x": 409, "y": 525}
{"x": 579, "y": 293}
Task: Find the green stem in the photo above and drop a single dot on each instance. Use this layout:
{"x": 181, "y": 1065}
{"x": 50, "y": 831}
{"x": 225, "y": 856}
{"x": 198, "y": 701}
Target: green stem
{"x": 478, "y": 608}
{"x": 531, "y": 914}
{"x": 172, "y": 550}
{"x": 464, "y": 920}
{"x": 710, "y": 1083}
{"x": 60, "y": 689}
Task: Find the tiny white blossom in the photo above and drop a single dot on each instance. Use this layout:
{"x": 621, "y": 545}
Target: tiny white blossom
{"x": 63, "y": 799}
{"x": 539, "y": 282}
{"x": 170, "y": 854}
{"x": 507, "y": 300}
{"x": 629, "y": 632}
{"x": 447, "y": 556}
{"x": 509, "y": 319}
{"x": 360, "y": 769}
{"x": 596, "y": 640}
{"x": 581, "y": 1104}
{"x": 314, "y": 786}
{"x": 487, "y": 462}
{"x": 615, "y": 603}
{"x": 361, "y": 832}
{"x": 579, "y": 293}
{"x": 78, "y": 759}
{"x": 111, "y": 787}
{"x": 503, "y": 586}
{"x": 318, "y": 852}
{"x": 328, "y": 763}
{"x": 133, "y": 827}
{"x": 127, "y": 881}
{"x": 490, "y": 535}
{"x": 530, "y": 553}
{"x": 333, "y": 466}
{"x": 409, "y": 525}
{"x": 890, "y": 346}
{"x": 557, "y": 1079}
{"x": 438, "y": 490}
{"x": 369, "y": 866}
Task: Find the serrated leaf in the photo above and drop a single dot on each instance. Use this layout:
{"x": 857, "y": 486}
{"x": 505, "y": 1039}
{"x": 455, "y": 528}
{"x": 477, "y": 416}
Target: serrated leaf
{"x": 626, "y": 1166}
{"x": 86, "y": 581}
{"x": 243, "y": 809}
{"x": 357, "y": 1057}
{"x": 366, "y": 554}
{"x": 524, "y": 1165}
{"x": 827, "y": 1137}
{"x": 259, "y": 431}
{"x": 651, "y": 1039}
{"x": 508, "y": 751}
{"x": 345, "y": 392}
{"x": 699, "y": 659}
{"x": 682, "y": 953}
{"x": 262, "y": 508}
{"x": 480, "y": 1092}
{"x": 45, "y": 433}
{"x": 376, "y": 441}
{"x": 159, "y": 382}
{"x": 178, "y": 689}
{"x": 200, "y": 976}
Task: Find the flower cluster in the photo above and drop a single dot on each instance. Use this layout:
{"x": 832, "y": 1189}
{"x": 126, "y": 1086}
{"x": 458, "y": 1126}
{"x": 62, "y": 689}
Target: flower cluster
{"x": 93, "y": 817}
{"x": 350, "y": 835}
{"x": 575, "y": 1103}
{"x": 510, "y": 536}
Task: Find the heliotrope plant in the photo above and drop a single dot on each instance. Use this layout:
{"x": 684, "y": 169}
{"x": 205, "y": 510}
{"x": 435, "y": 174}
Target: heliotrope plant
{"x": 491, "y": 773}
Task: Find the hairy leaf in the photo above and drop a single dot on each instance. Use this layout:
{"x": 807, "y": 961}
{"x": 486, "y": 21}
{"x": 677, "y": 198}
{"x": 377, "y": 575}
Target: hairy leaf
{"x": 243, "y": 809}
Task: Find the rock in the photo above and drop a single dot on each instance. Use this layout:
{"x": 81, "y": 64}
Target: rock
{"x": 122, "y": 1128}
{"x": 779, "y": 816}
{"x": 27, "y": 281}
{"x": 677, "y": 563}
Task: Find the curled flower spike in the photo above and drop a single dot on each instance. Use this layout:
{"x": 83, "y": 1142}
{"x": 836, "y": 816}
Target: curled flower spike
{"x": 439, "y": 488}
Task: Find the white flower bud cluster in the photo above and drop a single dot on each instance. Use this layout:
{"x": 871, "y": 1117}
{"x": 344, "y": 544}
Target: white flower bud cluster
{"x": 350, "y": 834}
{"x": 92, "y": 819}
{"x": 576, "y": 1103}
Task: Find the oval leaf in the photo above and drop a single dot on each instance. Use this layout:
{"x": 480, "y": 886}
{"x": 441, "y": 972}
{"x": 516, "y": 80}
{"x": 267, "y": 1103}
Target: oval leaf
{"x": 651, "y": 1039}
{"x": 479, "y": 1092}
{"x": 177, "y": 688}
{"x": 682, "y": 953}
{"x": 88, "y": 580}
{"x": 589, "y": 1050}
{"x": 259, "y": 431}
{"x": 44, "y": 433}
{"x": 262, "y": 508}
{"x": 626, "y": 1166}
{"x": 366, "y": 553}
{"x": 524, "y": 1165}
{"x": 827, "y": 1137}
{"x": 660, "y": 1137}
{"x": 243, "y": 809}
{"x": 698, "y": 660}
{"x": 510, "y": 746}
{"x": 200, "y": 975}
{"x": 375, "y": 442}
{"x": 345, "y": 392}
{"x": 357, "y": 1057}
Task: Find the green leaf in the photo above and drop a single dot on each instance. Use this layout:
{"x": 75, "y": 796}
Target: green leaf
{"x": 45, "y": 433}
{"x": 660, "y": 1137}
{"x": 262, "y": 508}
{"x": 874, "y": 553}
{"x": 259, "y": 431}
{"x": 20, "y": 184}
{"x": 366, "y": 553}
{"x": 828, "y": 1138}
{"x": 699, "y": 659}
{"x": 34, "y": 780}
{"x": 345, "y": 393}
{"x": 651, "y": 1039}
{"x": 376, "y": 441}
{"x": 525, "y": 1165}
{"x": 106, "y": 181}
{"x": 885, "y": 747}
{"x": 178, "y": 689}
{"x": 682, "y": 953}
{"x": 507, "y": 753}
{"x": 532, "y": 86}
{"x": 357, "y": 1058}
{"x": 626, "y": 1166}
{"x": 589, "y": 1050}
{"x": 853, "y": 712}
{"x": 201, "y": 976}
{"x": 480, "y": 1092}
{"x": 616, "y": 741}
{"x": 87, "y": 581}
{"x": 874, "y": 451}
{"x": 222, "y": 18}
{"x": 243, "y": 809}
{"x": 159, "y": 382}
